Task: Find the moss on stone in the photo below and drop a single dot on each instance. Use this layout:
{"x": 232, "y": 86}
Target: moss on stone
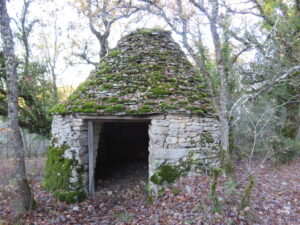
{"x": 113, "y": 54}
{"x": 150, "y": 103}
{"x": 157, "y": 75}
{"x": 192, "y": 107}
{"x": 88, "y": 105}
{"x": 183, "y": 102}
{"x": 145, "y": 109}
{"x": 106, "y": 86}
{"x": 58, "y": 171}
{"x": 59, "y": 108}
{"x": 207, "y": 138}
{"x": 165, "y": 173}
{"x": 70, "y": 197}
{"x": 167, "y": 106}
{"x": 115, "y": 108}
{"x": 112, "y": 100}
{"x": 199, "y": 112}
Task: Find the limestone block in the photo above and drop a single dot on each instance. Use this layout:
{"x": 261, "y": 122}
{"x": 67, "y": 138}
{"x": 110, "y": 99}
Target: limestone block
{"x": 181, "y": 139}
{"x": 193, "y": 128}
{"x": 79, "y": 135}
{"x": 161, "y": 123}
{"x": 168, "y": 154}
{"x": 193, "y": 134}
{"x": 171, "y": 140}
{"x": 187, "y": 145}
{"x": 175, "y": 126}
{"x": 158, "y": 130}
{"x": 79, "y": 128}
{"x": 173, "y": 132}
{"x": 77, "y": 123}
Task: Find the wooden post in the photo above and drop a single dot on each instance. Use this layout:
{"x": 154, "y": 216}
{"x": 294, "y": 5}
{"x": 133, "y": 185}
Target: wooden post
{"x": 91, "y": 156}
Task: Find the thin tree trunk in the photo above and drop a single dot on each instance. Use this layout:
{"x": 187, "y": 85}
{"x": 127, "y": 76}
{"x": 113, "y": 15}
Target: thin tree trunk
{"x": 54, "y": 81}
{"x": 24, "y": 192}
{"x": 290, "y": 128}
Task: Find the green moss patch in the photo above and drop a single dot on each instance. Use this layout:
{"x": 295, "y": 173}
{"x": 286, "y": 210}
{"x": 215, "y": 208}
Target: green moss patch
{"x": 58, "y": 171}
{"x": 207, "y": 138}
{"x": 70, "y": 197}
{"x": 165, "y": 173}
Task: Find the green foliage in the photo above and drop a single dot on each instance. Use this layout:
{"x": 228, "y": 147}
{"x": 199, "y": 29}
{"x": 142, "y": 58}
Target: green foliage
{"x": 35, "y": 94}
{"x": 176, "y": 191}
{"x": 286, "y": 149}
{"x": 150, "y": 200}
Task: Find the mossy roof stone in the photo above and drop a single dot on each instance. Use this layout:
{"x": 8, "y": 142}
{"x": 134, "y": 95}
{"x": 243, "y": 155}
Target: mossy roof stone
{"x": 147, "y": 73}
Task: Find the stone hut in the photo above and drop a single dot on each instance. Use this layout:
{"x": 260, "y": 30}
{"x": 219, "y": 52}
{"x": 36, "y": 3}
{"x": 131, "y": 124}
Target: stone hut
{"x": 143, "y": 100}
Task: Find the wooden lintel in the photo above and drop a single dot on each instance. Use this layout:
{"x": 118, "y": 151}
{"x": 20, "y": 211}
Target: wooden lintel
{"x": 122, "y": 118}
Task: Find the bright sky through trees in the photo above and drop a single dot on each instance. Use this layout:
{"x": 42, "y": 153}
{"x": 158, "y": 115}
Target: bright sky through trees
{"x": 72, "y": 30}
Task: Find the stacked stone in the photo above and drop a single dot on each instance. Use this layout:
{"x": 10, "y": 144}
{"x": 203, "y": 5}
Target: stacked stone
{"x": 174, "y": 139}
{"x": 146, "y": 76}
{"x": 146, "y": 73}
{"x": 71, "y": 131}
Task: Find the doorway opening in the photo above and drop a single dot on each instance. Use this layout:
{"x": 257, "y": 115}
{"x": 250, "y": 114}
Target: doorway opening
{"x": 122, "y": 155}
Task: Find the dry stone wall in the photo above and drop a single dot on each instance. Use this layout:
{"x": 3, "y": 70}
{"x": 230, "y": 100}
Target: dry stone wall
{"x": 173, "y": 140}
{"x": 180, "y": 140}
{"x": 72, "y": 131}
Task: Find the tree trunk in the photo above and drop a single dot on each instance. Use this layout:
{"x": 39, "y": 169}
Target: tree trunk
{"x": 54, "y": 81}
{"x": 23, "y": 189}
{"x": 291, "y": 125}
{"x": 226, "y": 162}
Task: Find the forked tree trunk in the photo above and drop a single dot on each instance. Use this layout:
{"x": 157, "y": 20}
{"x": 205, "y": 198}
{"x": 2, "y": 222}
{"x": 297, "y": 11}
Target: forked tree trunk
{"x": 25, "y": 196}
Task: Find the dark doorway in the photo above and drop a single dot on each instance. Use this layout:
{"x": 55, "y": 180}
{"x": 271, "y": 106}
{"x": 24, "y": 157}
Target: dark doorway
{"x": 122, "y": 156}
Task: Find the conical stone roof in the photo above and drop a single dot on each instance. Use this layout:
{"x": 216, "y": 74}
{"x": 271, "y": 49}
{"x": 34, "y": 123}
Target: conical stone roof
{"x": 147, "y": 73}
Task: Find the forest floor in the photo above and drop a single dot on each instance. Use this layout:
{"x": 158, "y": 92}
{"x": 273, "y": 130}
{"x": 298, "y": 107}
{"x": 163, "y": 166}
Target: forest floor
{"x": 275, "y": 200}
